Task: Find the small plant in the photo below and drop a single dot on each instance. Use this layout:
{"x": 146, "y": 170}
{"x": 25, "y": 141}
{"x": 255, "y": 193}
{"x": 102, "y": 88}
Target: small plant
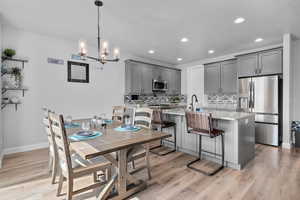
{"x": 15, "y": 71}
{"x": 9, "y": 52}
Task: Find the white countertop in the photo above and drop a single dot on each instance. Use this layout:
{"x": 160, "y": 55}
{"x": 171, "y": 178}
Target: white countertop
{"x": 216, "y": 114}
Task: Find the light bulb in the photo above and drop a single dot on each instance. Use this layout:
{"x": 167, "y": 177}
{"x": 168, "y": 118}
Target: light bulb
{"x": 116, "y": 53}
{"x": 105, "y": 45}
{"x": 82, "y": 47}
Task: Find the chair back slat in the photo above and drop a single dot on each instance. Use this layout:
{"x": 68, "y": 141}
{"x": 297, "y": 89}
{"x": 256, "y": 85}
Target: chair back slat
{"x": 60, "y": 136}
{"x": 198, "y": 121}
{"x": 143, "y": 117}
{"x": 50, "y": 135}
{"x": 118, "y": 113}
{"x": 157, "y": 116}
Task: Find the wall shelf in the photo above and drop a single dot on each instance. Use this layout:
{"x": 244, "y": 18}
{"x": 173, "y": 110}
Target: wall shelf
{"x": 3, "y": 90}
{"x": 23, "y": 61}
{"x": 15, "y": 89}
{"x": 3, "y": 105}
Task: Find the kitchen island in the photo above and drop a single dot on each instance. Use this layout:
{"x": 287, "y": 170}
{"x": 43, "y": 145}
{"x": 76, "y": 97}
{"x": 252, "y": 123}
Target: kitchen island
{"x": 239, "y": 137}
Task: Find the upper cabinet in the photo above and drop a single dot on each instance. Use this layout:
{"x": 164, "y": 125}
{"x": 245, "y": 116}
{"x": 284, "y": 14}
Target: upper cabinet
{"x": 174, "y": 81}
{"x": 229, "y": 76}
{"x": 270, "y": 62}
{"x": 212, "y": 78}
{"x": 220, "y": 77}
{"x": 247, "y": 65}
{"x": 261, "y": 63}
{"x": 139, "y": 76}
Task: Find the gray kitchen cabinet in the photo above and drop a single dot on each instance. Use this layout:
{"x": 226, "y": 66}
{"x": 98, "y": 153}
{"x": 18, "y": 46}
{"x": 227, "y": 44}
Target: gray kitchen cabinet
{"x": 260, "y": 63}
{"x": 177, "y": 80}
{"x": 247, "y": 65}
{"x": 136, "y": 78}
{"x": 212, "y": 78}
{"x": 157, "y": 73}
{"x": 174, "y": 81}
{"x": 139, "y": 76}
{"x": 229, "y": 76}
{"x": 270, "y": 62}
{"x": 147, "y": 75}
{"x": 127, "y": 78}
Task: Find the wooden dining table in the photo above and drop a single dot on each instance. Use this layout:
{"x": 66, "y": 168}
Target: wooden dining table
{"x": 120, "y": 142}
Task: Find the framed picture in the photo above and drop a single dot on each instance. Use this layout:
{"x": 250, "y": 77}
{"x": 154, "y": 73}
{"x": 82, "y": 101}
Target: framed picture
{"x": 78, "y": 72}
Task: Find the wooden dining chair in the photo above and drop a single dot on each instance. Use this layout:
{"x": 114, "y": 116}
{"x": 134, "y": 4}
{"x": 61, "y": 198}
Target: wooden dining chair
{"x": 53, "y": 157}
{"x": 67, "y": 170}
{"x": 118, "y": 113}
{"x": 142, "y": 118}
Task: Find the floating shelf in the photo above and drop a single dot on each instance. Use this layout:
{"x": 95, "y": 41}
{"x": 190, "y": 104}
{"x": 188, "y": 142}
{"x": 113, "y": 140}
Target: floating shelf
{"x": 19, "y": 89}
{"x": 15, "y": 59}
{"x": 5, "y": 104}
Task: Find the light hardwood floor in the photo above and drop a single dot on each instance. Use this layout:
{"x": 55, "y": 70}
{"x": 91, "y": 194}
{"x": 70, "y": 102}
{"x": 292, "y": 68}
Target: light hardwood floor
{"x": 273, "y": 174}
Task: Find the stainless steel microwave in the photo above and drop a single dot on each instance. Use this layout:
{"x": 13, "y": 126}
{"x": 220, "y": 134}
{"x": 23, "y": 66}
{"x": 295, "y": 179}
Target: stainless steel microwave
{"x": 159, "y": 86}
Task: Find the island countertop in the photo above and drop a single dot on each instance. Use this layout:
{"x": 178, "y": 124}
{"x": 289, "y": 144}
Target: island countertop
{"x": 216, "y": 114}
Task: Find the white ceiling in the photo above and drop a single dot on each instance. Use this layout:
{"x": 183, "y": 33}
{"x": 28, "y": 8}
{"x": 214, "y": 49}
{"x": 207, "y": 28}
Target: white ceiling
{"x": 139, "y": 25}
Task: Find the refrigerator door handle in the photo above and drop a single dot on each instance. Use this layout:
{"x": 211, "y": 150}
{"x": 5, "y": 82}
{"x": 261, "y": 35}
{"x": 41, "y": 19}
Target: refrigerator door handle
{"x": 253, "y": 95}
{"x": 250, "y": 96}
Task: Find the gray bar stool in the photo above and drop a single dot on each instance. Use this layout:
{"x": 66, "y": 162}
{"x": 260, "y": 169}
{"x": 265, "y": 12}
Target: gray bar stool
{"x": 158, "y": 122}
{"x": 201, "y": 124}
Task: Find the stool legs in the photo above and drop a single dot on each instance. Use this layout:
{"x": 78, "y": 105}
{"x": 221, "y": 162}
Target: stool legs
{"x": 168, "y": 152}
{"x": 199, "y": 158}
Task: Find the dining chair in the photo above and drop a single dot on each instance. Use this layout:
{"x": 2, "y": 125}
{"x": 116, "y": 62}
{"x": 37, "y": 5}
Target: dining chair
{"x": 68, "y": 171}
{"x": 159, "y": 123}
{"x": 53, "y": 157}
{"x": 142, "y": 118}
{"x": 118, "y": 113}
{"x": 201, "y": 124}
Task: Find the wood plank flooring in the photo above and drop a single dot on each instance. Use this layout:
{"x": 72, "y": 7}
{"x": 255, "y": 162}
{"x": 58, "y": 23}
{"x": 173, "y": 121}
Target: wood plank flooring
{"x": 273, "y": 174}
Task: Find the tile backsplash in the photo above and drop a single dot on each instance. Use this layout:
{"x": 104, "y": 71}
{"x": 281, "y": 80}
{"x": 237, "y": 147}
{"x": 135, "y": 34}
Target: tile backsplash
{"x": 156, "y": 99}
{"x": 222, "y": 101}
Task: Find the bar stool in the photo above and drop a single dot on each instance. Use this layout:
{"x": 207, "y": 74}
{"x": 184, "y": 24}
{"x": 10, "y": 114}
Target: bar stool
{"x": 201, "y": 124}
{"x": 158, "y": 122}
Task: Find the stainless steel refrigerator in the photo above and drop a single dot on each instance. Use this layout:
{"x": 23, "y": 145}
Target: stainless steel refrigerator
{"x": 261, "y": 95}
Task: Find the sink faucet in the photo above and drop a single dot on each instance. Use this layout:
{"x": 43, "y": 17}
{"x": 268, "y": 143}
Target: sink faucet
{"x": 196, "y": 99}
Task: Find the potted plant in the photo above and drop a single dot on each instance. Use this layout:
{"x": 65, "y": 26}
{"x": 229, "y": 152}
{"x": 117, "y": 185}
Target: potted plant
{"x": 9, "y": 52}
{"x": 16, "y": 72}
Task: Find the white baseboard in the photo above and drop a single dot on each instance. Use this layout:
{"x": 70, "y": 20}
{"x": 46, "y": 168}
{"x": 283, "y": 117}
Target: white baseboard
{"x": 286, "y": 145}
{"x": 25, "y": 148}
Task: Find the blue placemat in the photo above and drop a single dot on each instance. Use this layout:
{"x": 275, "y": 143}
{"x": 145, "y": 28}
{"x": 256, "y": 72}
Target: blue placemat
{"x": 127, "y": 128}
{"x": 72, "y": 125}
{"x": 75, "y": 137}
{"x": 108, "y": 121}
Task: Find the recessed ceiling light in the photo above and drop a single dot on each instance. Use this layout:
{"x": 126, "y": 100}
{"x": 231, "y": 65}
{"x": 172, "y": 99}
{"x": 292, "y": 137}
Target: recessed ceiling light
{"x": 184, "y": 39}
{"x": 179, "y": 59}
{"x": 258, "y": 40}
{"x": 151, "y": 51}
{"x": 239, "y": 20}
{"x": 211, "y": 51}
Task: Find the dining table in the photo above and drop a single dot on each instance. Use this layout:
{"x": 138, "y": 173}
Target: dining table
{"x": 123, "y": 183}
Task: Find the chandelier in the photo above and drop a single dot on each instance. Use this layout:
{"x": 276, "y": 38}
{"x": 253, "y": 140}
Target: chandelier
{"x": 103, "y": 51}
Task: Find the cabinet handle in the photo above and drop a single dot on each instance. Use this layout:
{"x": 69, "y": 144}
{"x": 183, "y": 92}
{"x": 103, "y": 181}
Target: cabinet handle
{"x": 260, "y": 70}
